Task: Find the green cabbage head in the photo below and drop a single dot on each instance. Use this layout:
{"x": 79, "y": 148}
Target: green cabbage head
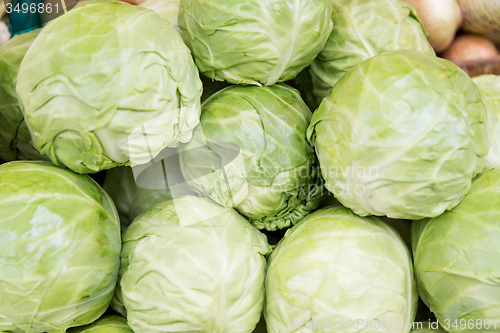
{"x": 250, "y": 152}
{"x": 106, "y": 324}
{"x": 167, "y": 9}
{"x": 402, "y": 134}
{"x": 108, "y": 84}
{"x": 253, "y": 41}
{"x": 457, "y": 258}
{"x": 335, "y": 267}
{"x": 59, "y": 248}
{"x": 363, "y": 29}
{"x": 489, "y": 85}
{"x": 15, "y": 140}
{"x": 190, "y": 265}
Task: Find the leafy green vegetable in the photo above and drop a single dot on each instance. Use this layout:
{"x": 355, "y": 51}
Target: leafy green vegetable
{"x": 335, "y": 267}
{"x": 457, "y": 254}
{"x": 190, "y": 265}
{"x": 254, "y": 42}
{"x": 402, "y": 134}
{"x": 107, "y": 324}
{"x": 363, "y": 29}
{"x": 59, "y": 248}
{"x": 15, "y": 140}
{"x": 108, "y": 84}
{"x": 489, "y": 85}
{"x": 250, "y": 152}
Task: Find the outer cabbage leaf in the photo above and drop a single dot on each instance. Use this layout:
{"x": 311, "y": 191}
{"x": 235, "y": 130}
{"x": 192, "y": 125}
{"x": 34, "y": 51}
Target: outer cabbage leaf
{"x": 336, "y": 267}
{"x": 108, "y": 84}
{"x": 254, "y": 42}
{"x": 250, "y": 152}
{"x": 106, "y": 324}
{"x": 190, "y": 265}
{"x": 15, "y": 140}
{"x": 59, "y": 248}
{"x": 167, "y": 9}
{"x": 457, "y": 256}
{"x": 489, "y": 85}
{"x": 363, "y": 29}
{"x": 402, "y": 134}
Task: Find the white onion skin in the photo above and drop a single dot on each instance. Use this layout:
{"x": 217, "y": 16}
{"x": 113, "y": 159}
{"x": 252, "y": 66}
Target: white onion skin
{"x": 482, "y": 17}
{"x": 469, "y": 49}
{"x": 441, "y": 19}
{"x": 4, "y": 33}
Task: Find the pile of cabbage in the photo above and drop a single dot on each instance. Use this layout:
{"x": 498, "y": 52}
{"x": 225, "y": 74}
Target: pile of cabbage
{"x": 227, "y": 166}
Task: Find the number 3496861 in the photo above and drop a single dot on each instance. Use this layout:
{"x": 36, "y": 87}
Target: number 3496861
{"x": 32, "y": 8}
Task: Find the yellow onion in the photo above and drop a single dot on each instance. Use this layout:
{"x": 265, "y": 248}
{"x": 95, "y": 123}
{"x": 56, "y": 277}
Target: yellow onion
{"x": 441, "y": 19}
{"x": 2, "y": 10}
{"x": 482, "y": 17}
{"x": 470, "y": 48}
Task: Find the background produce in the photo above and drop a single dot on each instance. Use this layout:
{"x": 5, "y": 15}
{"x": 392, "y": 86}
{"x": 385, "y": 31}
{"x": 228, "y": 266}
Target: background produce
{"x": 4, "y": 33}
{"x": 441, "y": 20}
{"x": 475, "y": 23}
{"x": 250, "y": 152}
{"x": 470, "y": 48}
{"x": 111, "y": 89}
{"x": 481, "y": 17}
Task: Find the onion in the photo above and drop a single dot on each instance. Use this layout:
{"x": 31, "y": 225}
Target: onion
{"x": 470, "y": 48}
{"x": 482, "y": 17}
{"x": 441, "y": 19}
{"x": 4, "y": 33}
